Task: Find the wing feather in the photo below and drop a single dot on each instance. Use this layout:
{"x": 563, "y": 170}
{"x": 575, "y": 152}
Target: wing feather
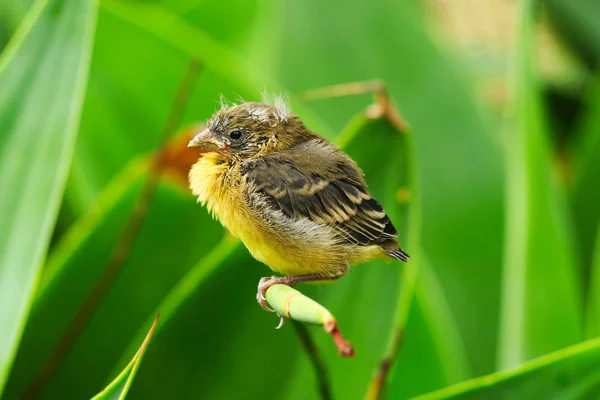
{"x": 334, "y": 194}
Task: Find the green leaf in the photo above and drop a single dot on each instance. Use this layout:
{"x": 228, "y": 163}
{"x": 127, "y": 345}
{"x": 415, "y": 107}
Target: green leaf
{"x": 127, "y": 102}
{"x": 540, "y": 290}
{"x": 584, "y": 201}
{"x": 592, "y": 322}
{"x": 229, "y": 267}
{"x": 577, "y": 22}
{"x": 585, "y": 175}
{"x": 43, "y": 74}
{"x": 11, "y": 15}
{"x": 366, "y": 301}
{"x": 66, "y": 288}
{"x": 570, "y": 373}
{"x": 585, "y": 204}
{"x": 119, "y": 387}
{"x": 239, "y": 329}
{"x": 458, "y": 158}
{"x": 236, "y": 273}
{"x": 433, "y": 354}
{"x": 196, "y": 43}
{"x": 177, "y": 230}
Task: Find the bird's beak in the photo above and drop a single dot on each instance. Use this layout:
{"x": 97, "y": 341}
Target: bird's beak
{"x": 206, "y": 141}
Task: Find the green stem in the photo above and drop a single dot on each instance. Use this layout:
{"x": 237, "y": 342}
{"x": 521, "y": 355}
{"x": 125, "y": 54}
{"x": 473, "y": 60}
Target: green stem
{"x": 315, "y": 358}
{"x": 409, "y": 277}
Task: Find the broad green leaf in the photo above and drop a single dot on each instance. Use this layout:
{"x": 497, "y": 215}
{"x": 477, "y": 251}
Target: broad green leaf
{"x": 433, "y": 354}
{"x": 119, "y": 387}
{"x": 585, "y": 195}
{"x": 107, "y": 228}
{"x": 540, "y": 290}
{"x": 43, "y": 74}
{"x": 127, "y": 102}
{"x": 577, "y": 21}
{"x": 366, "y": 302}
{"x": 11, "y": 15}
{"x": 217, "y": 341}
{"x": 585, "y": 200}
{"x": 592, "y": 322}
{"x": 458, "y": 159}
{"x": 385, "y": 155}
{"x": 570, "y": 373}
{"x": 196, "y": 43}
{"x": 174, "y": 235}
{"x": 246, "y": 334}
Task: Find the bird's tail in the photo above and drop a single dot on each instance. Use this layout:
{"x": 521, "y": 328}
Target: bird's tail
{"x": 398, "y": 254}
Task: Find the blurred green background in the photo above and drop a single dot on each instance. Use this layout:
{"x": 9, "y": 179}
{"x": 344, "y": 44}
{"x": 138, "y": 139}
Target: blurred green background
{"x": 502, "y": 168}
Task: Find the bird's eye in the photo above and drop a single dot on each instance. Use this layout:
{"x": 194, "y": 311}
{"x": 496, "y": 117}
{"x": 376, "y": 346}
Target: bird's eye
{"x": 235, "y": 134}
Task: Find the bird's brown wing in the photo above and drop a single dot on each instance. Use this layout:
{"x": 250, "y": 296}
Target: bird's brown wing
{"x": 326, "y": 187}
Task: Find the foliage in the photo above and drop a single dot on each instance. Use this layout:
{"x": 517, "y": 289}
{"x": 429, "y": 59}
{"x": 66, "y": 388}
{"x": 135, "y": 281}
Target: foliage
{"x": 496, "y": 201}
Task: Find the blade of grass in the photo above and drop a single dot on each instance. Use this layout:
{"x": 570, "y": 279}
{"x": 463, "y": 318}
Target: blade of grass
{"x": 119, "y": 387}
{"x": 592, "y": 321}
{"x": 569, "y": 373}
{"x": 442, "y": 337}
{"x": 176, "y": 230}
{"x": 189, "y": 284}
{"x": 585, "y": 199}
{"x": 41, "y": 103}
{"x": 585, "y": 195}
{"x": 540, "y": 293}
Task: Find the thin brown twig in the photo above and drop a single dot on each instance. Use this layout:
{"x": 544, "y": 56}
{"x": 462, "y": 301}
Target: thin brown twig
{"x": 341, "y": 90}
{"x": 124, "y": 245}
{"x": 377, "y": 386}
{"x": 382, "y": 107}
{"x": 315, "y": 358}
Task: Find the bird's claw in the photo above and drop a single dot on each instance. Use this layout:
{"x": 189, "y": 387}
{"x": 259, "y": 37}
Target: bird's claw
{"x": 263, "y": 285}
{"x": 260, "y": 298}
{"x": 281, "y": 321}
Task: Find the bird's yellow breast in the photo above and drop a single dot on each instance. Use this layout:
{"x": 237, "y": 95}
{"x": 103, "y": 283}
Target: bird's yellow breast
{"x": 218, "y": 186}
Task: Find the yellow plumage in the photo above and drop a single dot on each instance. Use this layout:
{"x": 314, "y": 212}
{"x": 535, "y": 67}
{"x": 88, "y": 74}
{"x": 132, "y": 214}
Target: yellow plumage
{"x": 299, "y": 204}
{"x": 220, "y": 187}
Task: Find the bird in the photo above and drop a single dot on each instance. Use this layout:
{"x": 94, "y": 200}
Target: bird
{"x": 298, "y": 203}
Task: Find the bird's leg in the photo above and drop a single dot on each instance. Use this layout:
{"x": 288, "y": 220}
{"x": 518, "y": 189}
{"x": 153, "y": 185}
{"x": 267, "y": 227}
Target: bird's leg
{"x": 265, "y": 283}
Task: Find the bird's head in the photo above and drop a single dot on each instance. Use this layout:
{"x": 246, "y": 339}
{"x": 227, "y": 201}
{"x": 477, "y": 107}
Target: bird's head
{"x": 247, "y": 130}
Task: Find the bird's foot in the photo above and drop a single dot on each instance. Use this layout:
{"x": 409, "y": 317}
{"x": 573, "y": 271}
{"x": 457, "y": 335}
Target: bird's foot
{"x": 263, "y": 285}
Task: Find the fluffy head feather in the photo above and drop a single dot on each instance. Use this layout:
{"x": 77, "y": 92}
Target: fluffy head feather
{"x": 248, "y": 129}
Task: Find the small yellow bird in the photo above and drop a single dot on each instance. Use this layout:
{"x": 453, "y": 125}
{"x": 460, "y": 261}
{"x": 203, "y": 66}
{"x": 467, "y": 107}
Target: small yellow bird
{"x": 298, "y": 203}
